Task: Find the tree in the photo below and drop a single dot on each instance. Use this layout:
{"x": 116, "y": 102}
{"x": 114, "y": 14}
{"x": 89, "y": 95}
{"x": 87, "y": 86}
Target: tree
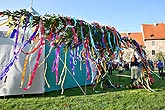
{"x": 160, "y": 56}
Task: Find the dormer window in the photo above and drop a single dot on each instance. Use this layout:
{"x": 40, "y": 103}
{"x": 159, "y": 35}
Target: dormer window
{"x": 152, "y": 35}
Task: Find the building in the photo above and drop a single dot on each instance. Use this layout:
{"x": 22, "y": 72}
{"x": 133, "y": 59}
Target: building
{"x": 152, "y": 37}
{"x": 135, "y": 35}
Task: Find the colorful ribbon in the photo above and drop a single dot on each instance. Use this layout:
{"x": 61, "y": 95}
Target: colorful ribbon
{"x": 9, "y": 19}
{"x": 56, "y": 61}
{"x": 11, "y": 62}
{"x": 24, "y": 71}
{"x": 74, "y": 32}
{"x": 61, "y": 81}
{"x": 34, "y": 70}
{"x": 72, "y": 60}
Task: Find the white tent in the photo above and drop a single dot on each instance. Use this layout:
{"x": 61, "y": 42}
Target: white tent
{"x": 33, "y": 11}
{"x": 10, "y": 84}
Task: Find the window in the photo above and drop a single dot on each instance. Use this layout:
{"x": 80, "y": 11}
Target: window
{"x": 153, "y": 52}
{"x": 152, "y": 35}
{"x": 153, "y": 43}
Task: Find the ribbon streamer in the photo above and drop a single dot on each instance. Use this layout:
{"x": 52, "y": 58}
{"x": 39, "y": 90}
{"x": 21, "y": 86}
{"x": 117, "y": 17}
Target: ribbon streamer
{"x": 56, "y": 61}
{"x": 23, "y": 37}
{"x": 73, "y": 77}
{"x": 61, "y": 81}
{"x": 91, "y": 39}
{"x": 35, "y": 49}
{"x": 34, "y": 70}
{"x": 72, "y": 60}
{"x": 102, "y": 39}
{"x": 46, "y": 81}
{"x": 24, "y": 67}
{"x": 24, "y": 71}
{"x": 74, "y": 32}
{"x": 5, "y": 22}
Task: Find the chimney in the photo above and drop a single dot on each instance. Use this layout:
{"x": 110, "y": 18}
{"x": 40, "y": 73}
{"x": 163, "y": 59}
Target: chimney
{"x": 155, "y": 24}
{"x": 127, "y": 33}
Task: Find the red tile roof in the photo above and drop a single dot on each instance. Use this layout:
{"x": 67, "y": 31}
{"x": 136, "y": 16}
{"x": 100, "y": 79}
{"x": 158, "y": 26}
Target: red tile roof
{"x": 136, "y": 36}
{"x": 153, "y": 32}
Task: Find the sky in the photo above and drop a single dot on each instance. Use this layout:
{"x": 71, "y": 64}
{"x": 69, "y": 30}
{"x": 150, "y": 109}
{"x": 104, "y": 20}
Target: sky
{"x": 124, "y": 15}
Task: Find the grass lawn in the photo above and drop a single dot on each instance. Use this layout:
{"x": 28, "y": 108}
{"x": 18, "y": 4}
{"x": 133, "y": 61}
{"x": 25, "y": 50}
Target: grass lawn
{"x": 99, "y": 99}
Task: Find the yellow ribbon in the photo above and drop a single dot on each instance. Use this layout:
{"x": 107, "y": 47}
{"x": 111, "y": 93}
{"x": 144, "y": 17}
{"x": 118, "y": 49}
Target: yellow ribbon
{"x": 21, "y": 24}
{"x": 46, "y": 81}
{"x": 73, "y": 77}
{"x": 63, "y": 70}
{"x": 9, "y": 19}
{"x": 46, "y": 56}
{"x": 19, "y": 36}
{"x": 92, "y": 50}
{"x": 9, "y": 31}
{"x": 21, "y": 20}
{"x": 24, "y": 68}
{"x": 80, "y": 65}
{"x": 24, "y": 71}
{"x": 46, "y": 66}
{"x": 30, "y": 58}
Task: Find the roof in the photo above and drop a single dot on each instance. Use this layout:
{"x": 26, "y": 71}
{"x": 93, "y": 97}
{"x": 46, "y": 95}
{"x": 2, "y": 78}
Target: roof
{"x": 136, "y": 36}
{"x": 154, "y": 31}
{"x": 33, "y": 11}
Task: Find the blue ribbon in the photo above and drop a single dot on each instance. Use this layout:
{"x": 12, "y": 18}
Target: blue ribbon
{"x": 90, "y": 35}
{"x": 114, "y": 41}
{"x": 102, "y": 39}
{"x": 95, "y": 30}
{"x": 13, "y": 33}
{"x": 71, "y": 60}
{"x": 109, "y": 41}
{"x": 6, "y": 69}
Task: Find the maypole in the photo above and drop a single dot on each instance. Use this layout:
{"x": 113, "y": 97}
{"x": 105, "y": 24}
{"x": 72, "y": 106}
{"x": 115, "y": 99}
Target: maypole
{"x": 99, "y": 43}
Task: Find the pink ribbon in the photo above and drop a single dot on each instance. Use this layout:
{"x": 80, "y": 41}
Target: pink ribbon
{"x": 74, "y": 32}
{"x": 34, "y": 70}
{"x": 56, "y": 61}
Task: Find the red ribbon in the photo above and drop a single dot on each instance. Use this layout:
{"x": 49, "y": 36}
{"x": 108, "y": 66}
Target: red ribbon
{"x": 35, "y": 68}
{"x": 86, "y": 43}
{"x": 38, "y": 58}
{"x": 1, "y": 13}
{"x": 74, "y": 32}
{"x": 36, "y": 48}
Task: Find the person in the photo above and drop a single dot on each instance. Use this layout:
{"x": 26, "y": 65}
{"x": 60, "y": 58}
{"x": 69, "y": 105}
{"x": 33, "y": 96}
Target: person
{"x": 110, "y": 66}
{"x": 120, "y": 65}
{"x": 126, "y": 65}
{"x": 134, "y": 69}
{"x": 120, "y": 68}
{"x": 151, "y": 65}
{"x": 140, "y": 65}
{"x": 160, "y": 68}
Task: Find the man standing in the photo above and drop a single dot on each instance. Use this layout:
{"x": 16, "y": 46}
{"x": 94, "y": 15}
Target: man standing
{"x": 134, "y": 69}
{"x": 160, "y": 68}
{"x": 110, "y": 67}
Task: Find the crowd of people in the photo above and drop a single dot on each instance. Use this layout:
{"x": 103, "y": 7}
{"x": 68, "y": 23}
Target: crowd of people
{"x": 135, "y": 67}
